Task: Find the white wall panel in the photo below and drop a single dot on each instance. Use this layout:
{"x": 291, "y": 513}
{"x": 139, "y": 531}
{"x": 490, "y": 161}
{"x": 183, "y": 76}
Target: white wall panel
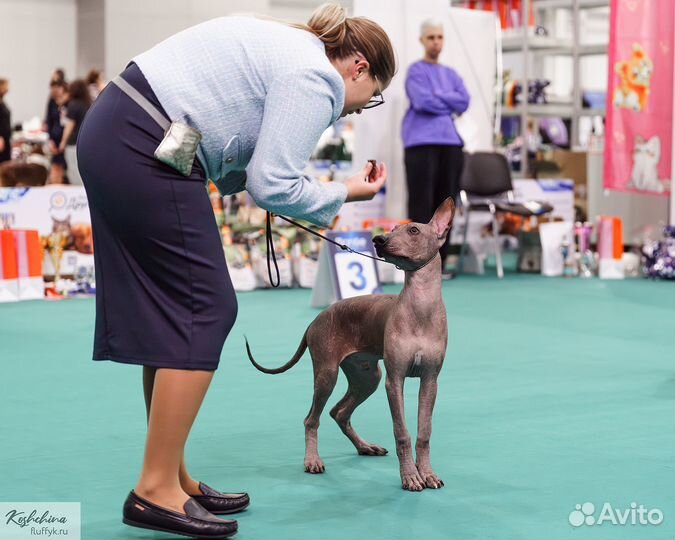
{"x": 377, "y": 132}
{"x": 90, "y": 36}
{"x": 133, "y": 26}
{"x": 36, "y": 36}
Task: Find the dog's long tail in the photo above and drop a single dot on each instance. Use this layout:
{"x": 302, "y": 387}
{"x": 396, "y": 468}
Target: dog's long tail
{"x": 288, "y": 365}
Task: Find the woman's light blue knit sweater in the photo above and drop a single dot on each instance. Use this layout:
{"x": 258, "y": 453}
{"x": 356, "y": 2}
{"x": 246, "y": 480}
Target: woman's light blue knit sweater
{"x": 261, "y": 93}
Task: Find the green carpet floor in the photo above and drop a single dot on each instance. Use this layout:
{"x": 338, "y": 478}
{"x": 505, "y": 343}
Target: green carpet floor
{"x": 554, "y": 393}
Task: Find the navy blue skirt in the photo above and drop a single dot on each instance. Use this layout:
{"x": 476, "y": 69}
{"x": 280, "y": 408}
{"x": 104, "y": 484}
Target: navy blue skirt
{"x": 163, "y": 293}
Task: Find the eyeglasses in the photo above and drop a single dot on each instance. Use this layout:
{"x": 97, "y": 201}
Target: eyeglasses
{"x": 377, "y": 99}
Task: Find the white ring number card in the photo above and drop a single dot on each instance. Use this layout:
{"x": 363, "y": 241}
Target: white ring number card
{"x": 343, "y": 274}
{"x": 355, "y": 275}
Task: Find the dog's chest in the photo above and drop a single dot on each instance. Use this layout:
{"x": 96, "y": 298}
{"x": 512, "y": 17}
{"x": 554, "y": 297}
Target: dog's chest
{"x": 417, "y": 367}
{"x": 424, "y": 361}
{"x": 418, "y": 351}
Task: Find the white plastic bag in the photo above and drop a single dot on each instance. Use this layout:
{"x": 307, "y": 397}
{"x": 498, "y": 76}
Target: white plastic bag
{"x": 552, "y": 237}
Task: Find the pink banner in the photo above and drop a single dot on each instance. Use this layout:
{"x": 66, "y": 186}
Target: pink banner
{"x": 639, "y": 128}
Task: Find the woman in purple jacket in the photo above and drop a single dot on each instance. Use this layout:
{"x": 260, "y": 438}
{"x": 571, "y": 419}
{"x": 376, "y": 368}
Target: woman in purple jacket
{"x": 433, "y": 148}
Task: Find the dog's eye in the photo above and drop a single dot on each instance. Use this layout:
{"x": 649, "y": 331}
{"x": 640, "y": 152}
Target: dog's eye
{"x": 413, "y": 230}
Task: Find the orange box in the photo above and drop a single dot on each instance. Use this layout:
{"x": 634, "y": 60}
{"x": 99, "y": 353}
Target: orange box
{"x": 9, "y": 282}
{"x": 29, "y": 264}
{"x": 610, "y": 247}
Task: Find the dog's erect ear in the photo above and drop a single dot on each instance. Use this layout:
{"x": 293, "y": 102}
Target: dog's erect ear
{"x": 442, "y": 220}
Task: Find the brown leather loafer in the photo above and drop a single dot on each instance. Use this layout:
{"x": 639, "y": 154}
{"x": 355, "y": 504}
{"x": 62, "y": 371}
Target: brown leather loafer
{"x": 221, "y": 503}
{"x": 197, "y": 522}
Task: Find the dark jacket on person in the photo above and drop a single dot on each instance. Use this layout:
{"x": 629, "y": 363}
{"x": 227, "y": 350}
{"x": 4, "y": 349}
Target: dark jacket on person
{"x": 5, "y": 131}
{"x": 76, "y": 111}
{"x": 53, "y": 121}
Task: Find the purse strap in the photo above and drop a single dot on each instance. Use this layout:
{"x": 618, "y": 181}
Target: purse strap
{"x": 142, "y": 102}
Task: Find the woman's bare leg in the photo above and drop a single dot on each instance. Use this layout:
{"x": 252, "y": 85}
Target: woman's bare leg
{"x": 189, "y": 485}
{"x": 176, "y": 396}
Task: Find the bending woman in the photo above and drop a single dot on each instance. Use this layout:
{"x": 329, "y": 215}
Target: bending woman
{"x": 251, "y": 99}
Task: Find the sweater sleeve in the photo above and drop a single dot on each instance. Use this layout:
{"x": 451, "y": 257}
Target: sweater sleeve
{"x": 457, "y": 98}
{"x": 299, "y": 107}
{"x": 421, "y": 95}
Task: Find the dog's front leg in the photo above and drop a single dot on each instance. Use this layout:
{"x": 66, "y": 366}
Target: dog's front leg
{"x": 410, "y": 477}
{"x": 427, "y": 398}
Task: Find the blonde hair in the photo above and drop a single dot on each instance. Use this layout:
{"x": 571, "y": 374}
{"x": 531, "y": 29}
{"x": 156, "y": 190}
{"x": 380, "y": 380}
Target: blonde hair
{"x": 343, "y": 36}
{"x": 430, "y": 24}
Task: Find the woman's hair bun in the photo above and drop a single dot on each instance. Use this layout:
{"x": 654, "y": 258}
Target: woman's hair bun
{"x": 343, "y": 36}
{"x": 329, "y": 23}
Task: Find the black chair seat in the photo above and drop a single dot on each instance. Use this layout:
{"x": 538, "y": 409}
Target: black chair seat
{"x": 480, "y": 207}
{"x": 526, "y": 209}
{"x": 485, "y": 183}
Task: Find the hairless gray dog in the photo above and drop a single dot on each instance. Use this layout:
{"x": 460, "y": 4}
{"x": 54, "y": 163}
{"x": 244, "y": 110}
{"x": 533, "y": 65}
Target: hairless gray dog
{"x": 409, "y": 331}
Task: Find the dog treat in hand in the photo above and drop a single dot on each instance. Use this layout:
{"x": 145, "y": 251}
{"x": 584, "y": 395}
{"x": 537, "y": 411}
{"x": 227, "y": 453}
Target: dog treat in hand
{"x": 373, "y": 172}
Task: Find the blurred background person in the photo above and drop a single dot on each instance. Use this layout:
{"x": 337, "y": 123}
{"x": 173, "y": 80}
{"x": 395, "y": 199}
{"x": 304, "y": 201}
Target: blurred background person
{"x": 96, "y": 83}
{"x": 58, "y": 75}
{"x": 79, "y": 102}
{"x": 58, "y": 95}
{"x": 5, "y": 124}
{"x": 433, "y": 148}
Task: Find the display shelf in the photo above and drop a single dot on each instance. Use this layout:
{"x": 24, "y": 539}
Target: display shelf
{"x": 513, "y": 42}
{"x": 535, "y": 48}
{"x": 553, "y": 109}
{"x": 593, "y": 49}
{"x": 583, "y": 4}
{"x": 549, "y": 46}
{"x": 546, "y": 109}
{"x": 598, "y": 111}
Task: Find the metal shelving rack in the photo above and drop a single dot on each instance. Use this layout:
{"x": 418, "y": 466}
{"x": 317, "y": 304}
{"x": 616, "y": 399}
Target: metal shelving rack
{"x": 528, "y": 45}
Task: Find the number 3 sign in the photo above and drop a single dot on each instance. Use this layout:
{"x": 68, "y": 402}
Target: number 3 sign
{"x": 343, "y": 274}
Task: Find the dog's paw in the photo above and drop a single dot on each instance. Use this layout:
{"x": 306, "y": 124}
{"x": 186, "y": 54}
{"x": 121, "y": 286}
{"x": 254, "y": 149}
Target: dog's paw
{"x": 314, "y": 465}
{"x": 431, "y": 480}
{"x": 412, "y": 481}
{"x": 372, "y": 450}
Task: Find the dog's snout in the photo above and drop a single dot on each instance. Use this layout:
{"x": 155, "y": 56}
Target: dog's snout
{"x": 380, "y": 240}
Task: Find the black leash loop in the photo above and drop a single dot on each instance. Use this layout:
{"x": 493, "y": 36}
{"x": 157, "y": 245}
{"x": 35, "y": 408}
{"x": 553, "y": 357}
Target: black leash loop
{"x": 270, "y": 249}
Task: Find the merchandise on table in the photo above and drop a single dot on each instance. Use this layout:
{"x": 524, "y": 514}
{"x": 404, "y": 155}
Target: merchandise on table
{"x": 659, "y": 257}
